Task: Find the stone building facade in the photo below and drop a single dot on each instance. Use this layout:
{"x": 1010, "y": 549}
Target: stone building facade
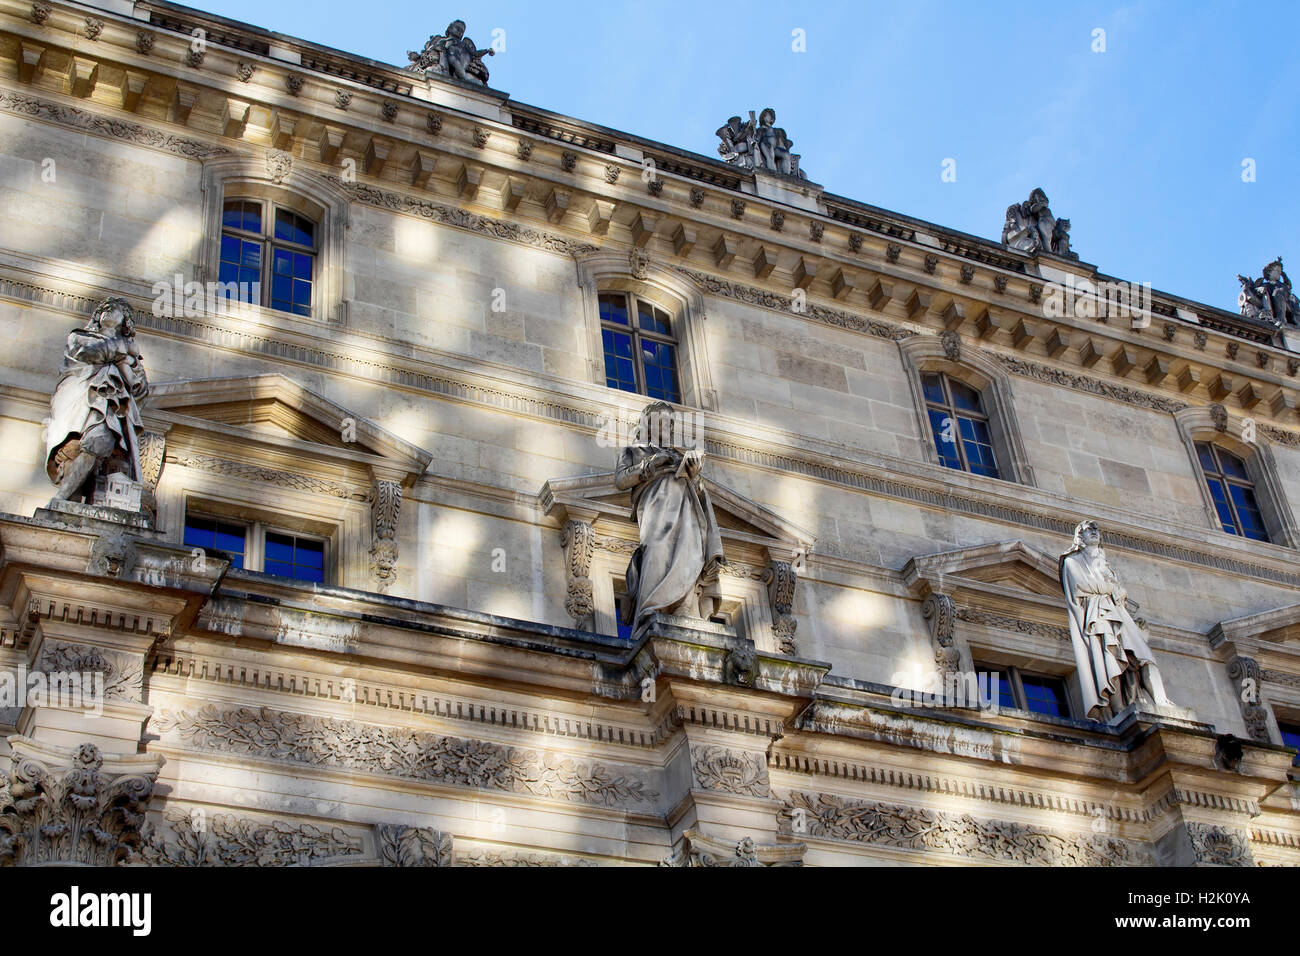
{"x": 397, "y": 641}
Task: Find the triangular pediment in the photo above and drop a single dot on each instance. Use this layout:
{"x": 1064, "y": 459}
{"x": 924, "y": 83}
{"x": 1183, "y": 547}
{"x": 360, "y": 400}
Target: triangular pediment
{"x": 742, "y": 521}
{"x": 278, "y": 415}
{"x": 1004, "y": 568}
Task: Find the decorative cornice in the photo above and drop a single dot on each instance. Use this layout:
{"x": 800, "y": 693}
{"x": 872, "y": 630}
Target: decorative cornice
{"x": 347, "y": 745}
{"x": 781, "y": 303}
{"x": 196, "y": 838}
{"x": 1083, "y": 383}
{"x": 461, "y": 219}
{"x": 80, "y": 119}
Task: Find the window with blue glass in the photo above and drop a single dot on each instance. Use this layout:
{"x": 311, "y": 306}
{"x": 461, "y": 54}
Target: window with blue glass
{"x": 224, "y": 539}
{"x": 294, "y": 556}
{"x": 1232, "y": 491}
{"x": 639, "y": 346}
{"x": 1036, "y": 693}
{"x": 269, "y": 254}
{"x": 1291, "y": 738}
{"x": 960, "y": 425}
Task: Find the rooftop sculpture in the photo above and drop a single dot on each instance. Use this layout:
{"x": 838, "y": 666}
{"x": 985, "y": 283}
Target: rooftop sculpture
{"x": 758, "y": 144}
{"x": 1269, "y": 298}
{"x": 452, "y": 55}
{"x": 1030, "y": 227}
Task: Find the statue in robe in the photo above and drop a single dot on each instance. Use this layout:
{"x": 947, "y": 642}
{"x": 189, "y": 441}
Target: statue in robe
{"x": 1111, "y": 655}
{"x": 680, "y": 543}
{"x": 95, "y": 409}
{"x": 759, "y": 144}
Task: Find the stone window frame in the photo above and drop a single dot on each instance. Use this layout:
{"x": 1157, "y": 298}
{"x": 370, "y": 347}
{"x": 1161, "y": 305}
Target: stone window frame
{"x": 299, "y": 190}
{"x": 922, "y": 354}
{"x": 1199, "y": 424}
{"x": 258, "y": 521}
{"x": 606, "y": 272}
{"x": 743, "y": 597}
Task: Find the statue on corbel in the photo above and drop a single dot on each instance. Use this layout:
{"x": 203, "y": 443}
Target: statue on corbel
{"x": 94, "y": 450}
{"x": 674, "y": 568}
{"x": 1112, "y": 655}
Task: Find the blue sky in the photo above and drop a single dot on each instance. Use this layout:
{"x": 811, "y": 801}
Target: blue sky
{"x": 1140, "y": 146}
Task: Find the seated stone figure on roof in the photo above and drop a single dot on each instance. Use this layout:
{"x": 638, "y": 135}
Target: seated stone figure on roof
{"x": 453, "y": 55}
{"x": 1269, "y": 298}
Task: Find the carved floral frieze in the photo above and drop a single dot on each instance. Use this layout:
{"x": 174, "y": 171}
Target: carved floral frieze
{"x": 327, "y": 742}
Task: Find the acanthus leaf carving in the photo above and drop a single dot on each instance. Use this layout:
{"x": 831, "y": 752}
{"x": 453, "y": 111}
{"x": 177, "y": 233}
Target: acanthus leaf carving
{"x": 578, "y": 540}
{"x": 781, "y": 579}
{"x": 385, "y": 506}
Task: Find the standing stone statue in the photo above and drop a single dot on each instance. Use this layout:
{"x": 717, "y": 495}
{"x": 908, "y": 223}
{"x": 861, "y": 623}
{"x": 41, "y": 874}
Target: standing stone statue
{"x": 1030, "y": 227}
{"x": 680, "y": 541}
{"x": 758, "y": 144}
{"x": 1111, "y": 654}
{"x": 1269, "y": 298}
{"x": 453, "y": 55}
{"x": 95, "y": 410}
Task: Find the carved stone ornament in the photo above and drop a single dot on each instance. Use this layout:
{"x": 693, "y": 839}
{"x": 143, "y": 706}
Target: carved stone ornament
{"x": 198, "y": 838}
{"x": 41, "y": 12}
{"x": 951, "y": 345}
{"x": 1219, "y": 846}
{"x": 385, "y": 506}
{"x": 245, "y": 71}
{"x": 1219, "y": 415}
{"x": 61, "y": 807}
{"x": 578, "y": 540}
{"x": 278, "y": 165}
{"x": 401, "y": 845}
{"x": 452, "y": 54}
{"x": 951, "y": 834}
{"x": 144, "y": 42}
{"x": 293, "y": 83}
{"x": 757, "y": 143}
{"x": 94, "y": 27}
{"x": 940, "y": 611}
{"x": 300, "y": 739}
{"x": 697, "y": 196}
{"x": 741, "y": 667}
{"x": 639, "y": 263}
{"x": 1247, "y": 679}
{"x": 696, "y": 849}
{"x": 730, "y": 771}
{"x": 342, "y": 99}
{"x": 781, "y": 579}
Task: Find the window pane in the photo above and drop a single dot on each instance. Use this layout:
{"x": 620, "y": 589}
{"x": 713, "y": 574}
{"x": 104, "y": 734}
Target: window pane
{"x": 965, "y": 398}
{"x": 652, "y": 319}
{"x": 1207, "y": 457}
{"x": 200, "y": 533}
{"x": 933, "y": 388}
{"x": 613, "y": 308}
{"x": 660, "y": 360}
{"x": 1252, "y": 522}
{"x": 213, "y": 535}
{"x": 291, "y": 227}
{"x": 618, "y": 366}
{"x": 1045, "y": 695}
{"x": 279, "y": 547}
{"x": 310, "y": 553}
{"x": 1291, "y": 738}
{"x": 1002, "y": 682}
{"x": 1233, "y": 467}
{"x": 945, "y": 438}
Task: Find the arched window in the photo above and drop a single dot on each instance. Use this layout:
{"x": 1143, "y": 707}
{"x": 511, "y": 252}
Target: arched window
{"x": 268, "y": 255}
{"x": 959, "y": 424}
{"x": 640, "y": 346}
{"x": 1232, "y": 490}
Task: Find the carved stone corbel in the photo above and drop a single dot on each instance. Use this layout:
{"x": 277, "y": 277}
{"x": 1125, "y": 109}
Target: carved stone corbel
{"x": 697, "y": 849}
{"x": 941, "y": 612}
{"x": 781, "y": 579}
{"x": 153, "y": 447}
{"x": 1244, "y": 672}
{"x": 578, "y": 540}
{"x": 385, "y": 505}
{"x": 62, "y": 807}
